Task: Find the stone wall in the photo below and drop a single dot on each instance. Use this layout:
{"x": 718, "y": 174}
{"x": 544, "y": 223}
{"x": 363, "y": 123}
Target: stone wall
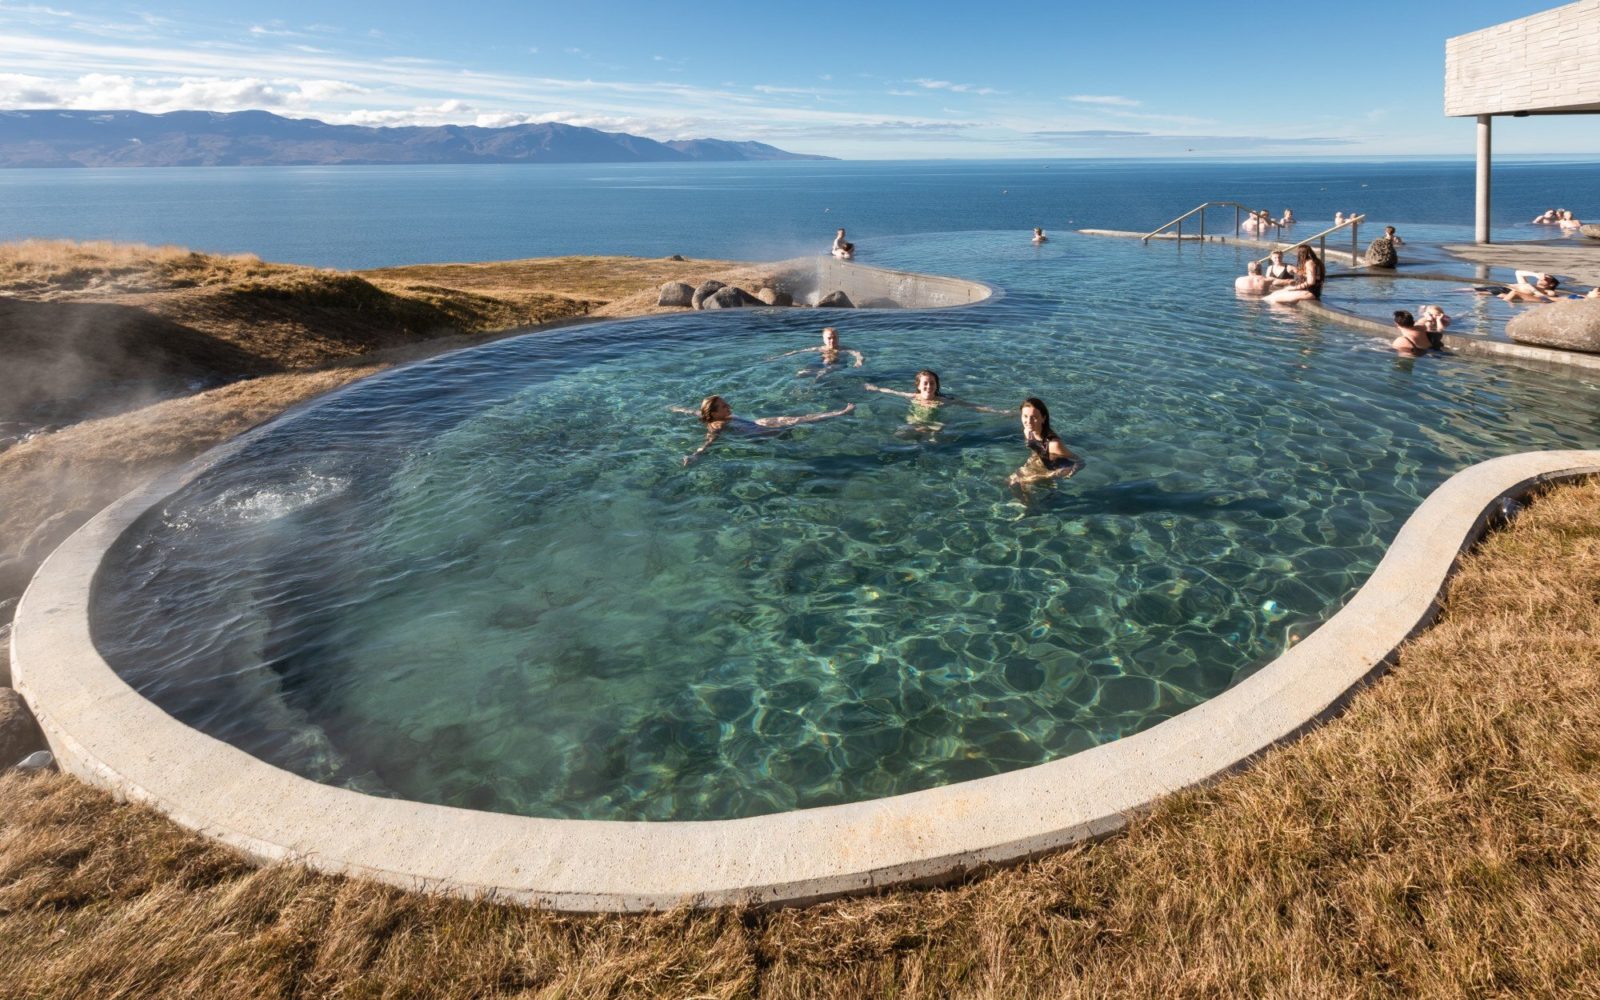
{"x": 1547, "y": 61}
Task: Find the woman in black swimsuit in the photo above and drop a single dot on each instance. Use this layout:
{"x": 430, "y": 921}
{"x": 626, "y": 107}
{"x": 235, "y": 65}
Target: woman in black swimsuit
{"x": 1051, "y": 459}
{"x": 1308, "y": 285}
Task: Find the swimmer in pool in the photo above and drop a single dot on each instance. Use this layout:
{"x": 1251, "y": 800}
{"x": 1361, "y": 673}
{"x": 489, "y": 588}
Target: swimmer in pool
{"x": 928, "y": 394}
{"x": 1252, "y": 282}
{"x": 1051, "y": 459}
{"x": 1039, "y": 236}
{"x": 718, "y": 417}
{"x": 1433, "y": 320}
{"x": 829, "y": 353}
{"x": 1412, "y": 339}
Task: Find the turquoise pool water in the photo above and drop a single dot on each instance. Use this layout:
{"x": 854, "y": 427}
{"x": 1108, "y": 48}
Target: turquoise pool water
{"x": 488, "y": 581}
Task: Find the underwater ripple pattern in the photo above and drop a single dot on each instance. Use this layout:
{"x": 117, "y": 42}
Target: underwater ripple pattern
{"x": 487, "y": 581}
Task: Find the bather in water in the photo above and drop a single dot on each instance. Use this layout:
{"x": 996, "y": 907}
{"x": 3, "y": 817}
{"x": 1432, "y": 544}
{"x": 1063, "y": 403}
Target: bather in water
{"x": 829, "y": 354}
{"x": 716, "y": 413}
{"x": 1051, "y": 459}
{"x": 927, "y": 399}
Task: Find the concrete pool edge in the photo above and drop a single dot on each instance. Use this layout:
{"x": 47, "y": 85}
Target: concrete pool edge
{"x": 107, "y": 734}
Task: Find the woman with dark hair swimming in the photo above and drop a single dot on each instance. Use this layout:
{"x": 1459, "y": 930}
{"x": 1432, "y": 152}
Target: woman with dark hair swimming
{"x": 1051, "y": 459}
{"x": 716, "y": 413}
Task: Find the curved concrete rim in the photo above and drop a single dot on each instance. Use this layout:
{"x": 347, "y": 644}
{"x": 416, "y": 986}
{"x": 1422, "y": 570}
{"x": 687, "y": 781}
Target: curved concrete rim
{"x": 106, "y": 733}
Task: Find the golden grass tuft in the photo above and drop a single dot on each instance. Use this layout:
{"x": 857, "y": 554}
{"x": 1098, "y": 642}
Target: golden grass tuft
{"x": 1440, "y": 839}
{"x": 100, "y": 267}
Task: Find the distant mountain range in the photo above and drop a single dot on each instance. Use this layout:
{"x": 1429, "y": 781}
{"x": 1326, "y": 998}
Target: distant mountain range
{"x": 52, "y": 138}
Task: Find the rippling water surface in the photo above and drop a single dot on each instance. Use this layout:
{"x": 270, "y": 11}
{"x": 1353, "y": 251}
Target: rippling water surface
{"x": 488, "y": 581}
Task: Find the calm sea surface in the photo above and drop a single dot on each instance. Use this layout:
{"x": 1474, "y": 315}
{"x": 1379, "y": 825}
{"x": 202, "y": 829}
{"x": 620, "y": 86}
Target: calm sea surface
{"x": 377, "y": 216}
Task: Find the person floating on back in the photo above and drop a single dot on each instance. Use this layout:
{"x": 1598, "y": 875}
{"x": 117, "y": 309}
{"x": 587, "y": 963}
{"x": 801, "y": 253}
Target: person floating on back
{"x": 716, "y": 413}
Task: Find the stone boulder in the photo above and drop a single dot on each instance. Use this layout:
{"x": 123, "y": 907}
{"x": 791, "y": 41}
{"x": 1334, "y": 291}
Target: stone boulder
{"x": 835, "y": 300}
{"x": 774, "y": 297}
{"x": 1382, "y": 253}
{"x": 729, "y": 297}
{"x": 1573, "y": 325}
{"x": 1590, "y": 230}
{"x": 19, "y": 733}
{"x": 676, "y": 293}
{"x": 706, "y": 288}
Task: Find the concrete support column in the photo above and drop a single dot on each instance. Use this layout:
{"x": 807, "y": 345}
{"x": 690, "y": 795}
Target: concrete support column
{"x": 1482, "y": 229}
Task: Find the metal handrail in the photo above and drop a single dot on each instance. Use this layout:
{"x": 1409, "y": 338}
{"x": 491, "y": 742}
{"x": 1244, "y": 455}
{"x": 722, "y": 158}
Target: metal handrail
{"x": 1354, "y": 223}
{"x": 1201, "y": 211}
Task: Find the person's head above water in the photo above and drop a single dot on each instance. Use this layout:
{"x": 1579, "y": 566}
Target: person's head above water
{"x": 1388, "y": 230}
{"x": 1254, "y": 267}
{"x": 830, "y": 338}
{"x": 1036, "y": 420}
{"x": 927, "y": 383}
{"x": 1403, "y": 317}
{"x": 1547, "y": 282}
{"x": 714, "y": 409}
{"x": 1277, "y": 256}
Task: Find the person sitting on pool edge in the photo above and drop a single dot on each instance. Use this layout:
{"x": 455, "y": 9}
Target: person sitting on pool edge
{"x": 929, "y": 395}
{"x": 717, "y": 415}
{"x": 1051, "y": 459}
{"x": 1309, "y": 283}
{"x": 1039, "y": 236}
{"x": 1413, "y": 339}
{"x": 1252, "y": 282}
{"x": 829, "y": 352}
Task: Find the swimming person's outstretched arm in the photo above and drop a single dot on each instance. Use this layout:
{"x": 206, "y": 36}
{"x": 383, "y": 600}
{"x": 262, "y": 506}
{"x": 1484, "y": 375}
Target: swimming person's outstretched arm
{"x": 975, "y": 406}
{"x": 861, "y": 359}
{"x": 711, "y": 435}
{"x": 1053, "y": 460}
{"x": 809, "y": 418}
{"x": 790, "y": 354}
{"x": 889, "y": 392}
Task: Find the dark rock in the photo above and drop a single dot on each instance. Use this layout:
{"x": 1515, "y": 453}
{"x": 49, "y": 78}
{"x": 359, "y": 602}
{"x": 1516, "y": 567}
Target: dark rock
{"x": 1381, "y": 253}
{"x": 1590, "y": 230}
{"x": 52, "y": 533}
{"x": 705, "y": 289}
{"x": 835, "y": 300}
{"x": 677, "y": 257}
{"x": 19, "y": 733}
{"x": 729, "y": 297}
{"x": 775, "y": 297}
{"x": 676, "y": 293}
{"x": 1568, "y": 326}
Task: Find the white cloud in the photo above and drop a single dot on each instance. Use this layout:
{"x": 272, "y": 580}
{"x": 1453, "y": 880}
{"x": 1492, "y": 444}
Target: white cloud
{"x": 1105, "y": 99}
{"x": 958, "y": 88}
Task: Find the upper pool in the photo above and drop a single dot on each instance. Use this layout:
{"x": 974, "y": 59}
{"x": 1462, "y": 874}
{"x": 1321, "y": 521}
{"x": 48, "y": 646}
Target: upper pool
{"x": 487, "y": 580}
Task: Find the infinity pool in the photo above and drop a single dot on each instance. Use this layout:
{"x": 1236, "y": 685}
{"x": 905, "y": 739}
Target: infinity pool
{"x": 487, "y": 580}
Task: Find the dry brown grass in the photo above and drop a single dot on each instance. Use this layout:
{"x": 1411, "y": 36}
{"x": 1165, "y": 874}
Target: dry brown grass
{"x": 1439, "y": 839}
{"x": 67, "y": 268}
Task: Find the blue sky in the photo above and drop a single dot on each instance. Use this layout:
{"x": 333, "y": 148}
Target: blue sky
{"x": 861, "y": 80}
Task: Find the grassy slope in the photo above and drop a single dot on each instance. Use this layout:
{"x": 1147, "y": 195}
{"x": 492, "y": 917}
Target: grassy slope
{"x": 1441, "y": 838}
{"x": 161, "y": 319}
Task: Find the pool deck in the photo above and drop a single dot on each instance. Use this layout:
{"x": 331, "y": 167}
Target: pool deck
{"x": 1577, "y": 258}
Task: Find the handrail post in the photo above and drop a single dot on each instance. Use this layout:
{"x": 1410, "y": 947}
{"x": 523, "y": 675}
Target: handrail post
{"x": 1203, "y": 223}
{"x": 1324, "y": 247}
{"x": 1180, "y": 233}
{"x": 1235, "y": 221}
{"x": 1355, "y": 242}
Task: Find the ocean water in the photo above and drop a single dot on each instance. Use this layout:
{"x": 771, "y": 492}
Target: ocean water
{"x": 487, "y": 580}
{"x": 359, "y": 217}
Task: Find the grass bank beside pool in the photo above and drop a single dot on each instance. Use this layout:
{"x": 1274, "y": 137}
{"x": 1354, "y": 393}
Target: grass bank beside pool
{"x": 1440, "y": 838}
